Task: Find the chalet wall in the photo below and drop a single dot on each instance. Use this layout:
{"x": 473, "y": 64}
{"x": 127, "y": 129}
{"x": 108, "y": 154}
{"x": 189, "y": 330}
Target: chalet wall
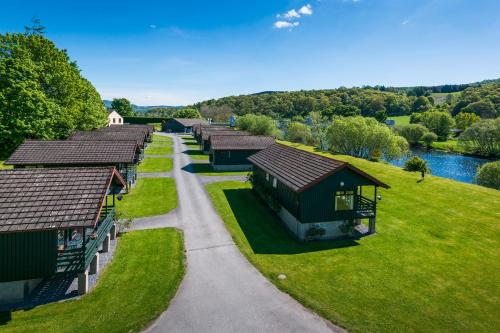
{"x": 237, "y": 157}
{"x": 27, "y": 255}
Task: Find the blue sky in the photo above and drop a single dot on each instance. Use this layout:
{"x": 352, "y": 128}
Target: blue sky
{"x": 180, "y": 52}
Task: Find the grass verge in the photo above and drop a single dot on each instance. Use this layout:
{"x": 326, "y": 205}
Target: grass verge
{"x": 196, "y": 154}
{"x": 156, "y": 164}
{"x": 149, "y": 197}
{"x": 162, "y": 138}
{"x": 158, "y": 148}
{"x": 136, "y": 287}
{"x": 431, "y": 266}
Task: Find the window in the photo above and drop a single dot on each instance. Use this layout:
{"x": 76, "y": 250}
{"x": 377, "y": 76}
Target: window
{"x": 344, "y": 200}
{"x": 120, "y": 120}
{"x": 114, "y": 120}
{"x": 275, "y": 183}
{"x": 267, "y": 176}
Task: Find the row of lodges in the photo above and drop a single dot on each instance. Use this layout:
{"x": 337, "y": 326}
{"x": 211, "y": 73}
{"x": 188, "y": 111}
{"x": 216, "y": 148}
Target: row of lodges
{"x": 57, "y": 205}
{"x": 315, "y": 197}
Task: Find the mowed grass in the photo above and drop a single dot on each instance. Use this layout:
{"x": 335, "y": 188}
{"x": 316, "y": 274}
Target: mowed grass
{"x": 149, "y": 197}
{"x": 205, "y": 169}
{"x": 159, "y": 148}
{"x": 3, "y": 166}
{"x": 432, "y": 266}
{"x": 450, "y": 145}
{"x": 196, "y": 154}
{"x": 133, "y": 290}
{"x": 162, "y": 138}
{"x": 400, "y": 120}
{"x": 156, "y": 164}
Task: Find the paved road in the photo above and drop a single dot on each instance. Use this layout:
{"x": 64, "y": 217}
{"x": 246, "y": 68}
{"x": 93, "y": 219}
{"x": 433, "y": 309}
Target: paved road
{"x": 221, "y": 291}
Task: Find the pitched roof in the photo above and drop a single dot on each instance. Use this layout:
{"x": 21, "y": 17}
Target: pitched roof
{"x": 198, "y": 128}
{"x": 299, "y": 169}
{"x": 47, "y": 199}
{"x": 74, "y": 153}
{"x": 188, "y": 122}
{"x": 109, "y": 135}
{"x": 221, "y": 131}
{"x": 245, "y": 142}
{"x": 146, "y": 129}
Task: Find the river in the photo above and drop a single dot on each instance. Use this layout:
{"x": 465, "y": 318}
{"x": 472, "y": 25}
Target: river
{"x": 454, "y": 166}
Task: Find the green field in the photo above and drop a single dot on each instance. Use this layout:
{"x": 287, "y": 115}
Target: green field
{"x": 136, "y": 287}
{"x": 440, "y": 98}
{"x": 450, "y": 145}
{"x": 158, "y": 149}
{"x": 156, "y": 164}
{"x": 432, "y": 266}
{"x": 162, "y": 138}
{"x": 149, "y": 197}
{"x": 400, "y": 120}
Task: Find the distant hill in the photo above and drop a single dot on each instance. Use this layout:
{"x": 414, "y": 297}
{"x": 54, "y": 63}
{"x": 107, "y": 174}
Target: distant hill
{"x": 144, "y": 108}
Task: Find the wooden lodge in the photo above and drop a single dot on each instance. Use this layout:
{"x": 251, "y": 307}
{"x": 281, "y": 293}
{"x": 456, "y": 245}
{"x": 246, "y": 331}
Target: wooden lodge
{"x": 198, "y": 130}
{"x": 182, "y": 125}
{"x": 124, "y": 155}
{"x": 230, "y": 152}
{"x": 316, "y": 197}
{"x": 54, "y": 221}
{"x": 112, "y": 135}
{"x": 207, "y": 133}
{"x": 147, "y": 130}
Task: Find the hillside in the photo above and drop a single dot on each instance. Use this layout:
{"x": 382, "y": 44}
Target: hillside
{"x": 144, "y": 108}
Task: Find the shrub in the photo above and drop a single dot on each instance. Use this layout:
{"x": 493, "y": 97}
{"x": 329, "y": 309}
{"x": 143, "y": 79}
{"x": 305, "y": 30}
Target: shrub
{"x": 257, "y": 125}
{"x": 464, "y": 120}
{"x": 300, "y": 133}
{"x": 489, "y": 175}
{"x": 482, "y": 137}
{"x": 412, "y": 132}
{"x": 428, "y": 138}
{"x": 415, "y": 163}
{"x": 438, "y": 122}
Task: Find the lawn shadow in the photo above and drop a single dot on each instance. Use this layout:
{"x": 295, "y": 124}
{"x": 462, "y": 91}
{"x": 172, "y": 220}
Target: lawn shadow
{"x": 264, "y": 231}
{"x": 192, "y": 144}
{"x": 198, "y": 168}
{"x": 5, "y": 317}
{"x": 193, "y": 152}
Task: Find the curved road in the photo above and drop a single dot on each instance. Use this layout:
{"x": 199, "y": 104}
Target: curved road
{"x": 222, "y": 291}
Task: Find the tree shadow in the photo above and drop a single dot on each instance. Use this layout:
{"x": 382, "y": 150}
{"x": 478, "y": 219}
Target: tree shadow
{"x": 192, "y": 152}
{"x": 264, "y": 231}
{"x": 5, "y": 317}
{"x": 198, "y": 168}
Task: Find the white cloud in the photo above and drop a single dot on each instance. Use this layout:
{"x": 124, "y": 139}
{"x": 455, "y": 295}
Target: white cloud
{"x": 306, "y": 10}
{"x": 405, "y": 22}
{"x": 152, "y": 26}
{"x": 285, "y": 24}
{"x": 291, "y": 14}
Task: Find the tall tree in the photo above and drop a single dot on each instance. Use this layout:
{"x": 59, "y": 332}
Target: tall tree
{"x": 42, "y": 93}
{"x": 123, "y": 107}
{"x": 187, "y": 113}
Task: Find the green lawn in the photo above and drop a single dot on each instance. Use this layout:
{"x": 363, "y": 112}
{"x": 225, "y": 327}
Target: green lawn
{"x": 162, "y": 138}
{"x": 156, "y": 164}
{"x": 205, "y": 169}
{"x": 400, "y": 120}
{"x": 450, "y": 145}
{"x": 149, "y": 197}
{"x": 133, "y": 290}
{"x": 192, "y": 144}
{"x": 196, "y": 154}
{"x": 3, "y": 166}
{"x": 432, "y": 266}
{"x": 159, "y": 148}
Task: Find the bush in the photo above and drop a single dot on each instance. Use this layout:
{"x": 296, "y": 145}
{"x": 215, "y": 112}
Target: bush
{"x": 300, "y": 133}
{"x": 412, "y": 132}
{"x": 415, "y": 163}
{"x": 489, "y": 175}
{"x": 464, "y": 120}
{"x": 438, "y": 122}
{"x": 428, "y": 138}
{"x": 365, "y": 138}
{"x": 482, "y": 137}
{"x": 257, "y": 125}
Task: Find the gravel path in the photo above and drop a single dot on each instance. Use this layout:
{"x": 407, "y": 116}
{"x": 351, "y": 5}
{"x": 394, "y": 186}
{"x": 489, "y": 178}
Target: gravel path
{"x": 222, "y": 291}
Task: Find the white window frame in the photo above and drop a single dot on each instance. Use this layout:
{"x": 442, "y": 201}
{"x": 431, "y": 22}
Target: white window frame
{"x": 275, "y": 182}
{"x": 267, "y": 176}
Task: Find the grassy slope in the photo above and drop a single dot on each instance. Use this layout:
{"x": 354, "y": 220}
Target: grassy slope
{"x": 401, "y": 120}
{"x": 2, "y": 166}
{"x": 149, "y": 197}
{"x": 136, "y": 287}
{"x": 156, "y": 165}
{"x": 450, "y": 145}
{"x": 432, "y": 266}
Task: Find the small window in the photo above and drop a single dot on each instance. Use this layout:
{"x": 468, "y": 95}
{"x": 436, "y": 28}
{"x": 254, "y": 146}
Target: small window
{"x": 120, "y": 120}
{"x": 267, "y": 176}
{"x": 114, "y": 120}
{"x": 275, "y": 183}
{"x": 344, "y": 200}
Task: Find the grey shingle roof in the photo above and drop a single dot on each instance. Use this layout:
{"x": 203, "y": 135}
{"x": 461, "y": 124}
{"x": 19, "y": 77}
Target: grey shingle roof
{"x": 244, "y": 142}
{"x": 76, "y": 153}
{"x": 198, "y": 128}
{"x": 46, "y": 199}
{"x": 109, "y": 135}
{"x": 221, "y": 131}
{"x": 146, "y": 129}
{"x": 299, "y": 169}
{"x": 187, "y": 122}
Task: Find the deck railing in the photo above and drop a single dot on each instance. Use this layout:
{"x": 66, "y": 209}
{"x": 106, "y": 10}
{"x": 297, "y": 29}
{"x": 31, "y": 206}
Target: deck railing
{"x": 364, "y": 207}
{"x": 103, "y": 228}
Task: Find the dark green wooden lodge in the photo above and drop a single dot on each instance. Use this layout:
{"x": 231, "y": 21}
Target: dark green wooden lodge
{"x": 206, "y": 142}
{"x": 53, "y": 221}
{"x": 231, "y": 152}
{"x": 147, "y": 130}
{"x": 316, "y": 197}
{"x": 182, "y": 125}
{"x": 124, "y": 155}
{"x": 200, "y": 128}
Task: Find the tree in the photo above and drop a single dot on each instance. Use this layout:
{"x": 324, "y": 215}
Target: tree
{"x": 438, "y": 122}
{"x": 42, "y": 93}
{"x": 36, "y": 27}
{"x": 421, "y": 104}
{"x": 412, "y": 132}
{"x": 489, "y": 175}
{"x": 464, "y": 120}
{"x": 365, "y": 138}
{"x": 264, "y": 126}
{"x": 123, "y": 107}
{"x": 483, "y": 108}
{"x": 416, "y": 163}
{"x": 482, "y": 137}
{"x": 246, "y": 122}
{"x": 187, "y": 113}
{"x": 318, "y": 126}
{"x": 428, "y": 138}
{"x": 300, "y": 133}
